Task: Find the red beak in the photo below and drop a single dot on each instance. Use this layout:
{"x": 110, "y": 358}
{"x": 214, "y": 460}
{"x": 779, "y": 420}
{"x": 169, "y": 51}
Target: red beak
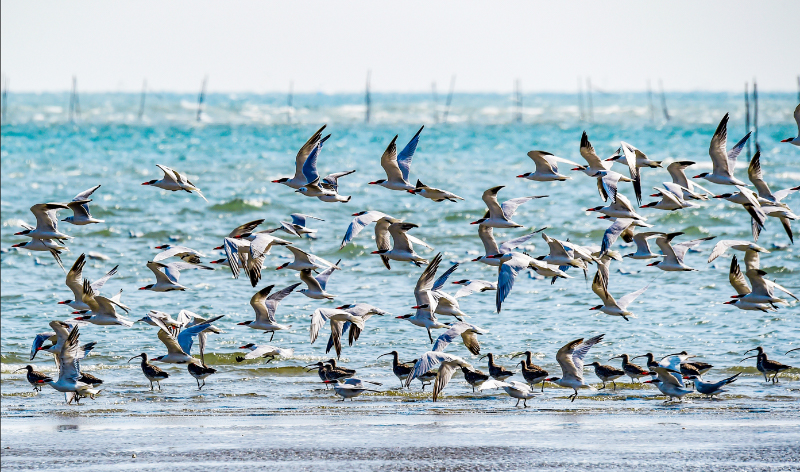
{"x": 218, "y": 248}
{"x": 373, "y": 183}
{"x": 786, "y": 140}
{"x": 696, "y": 177}
{"x": 275, "y": 181}
{"x": 143, "y": 288}
{"x": 520, "y": 176}
{"x": 731, "y": 302}
{"x": 241, "y": 324}
{"x": 652, "y": 264}
{"x": 145, "y": 183}
{"x": 62, "y": 303}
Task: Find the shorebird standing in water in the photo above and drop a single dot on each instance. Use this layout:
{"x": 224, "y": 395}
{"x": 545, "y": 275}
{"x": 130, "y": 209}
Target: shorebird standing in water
{"x": 607, "y": 373}
{"x": 36, "y": 379}
{"x": 151, "y": 372}
{"x": 474, "y": 377}
{"x": 399, "y": 369}
{"x": 531, "y": 372}
{"x": 767, "y": 366}
{"x": 497, "y": 372}
{"x": 631, "y": 370}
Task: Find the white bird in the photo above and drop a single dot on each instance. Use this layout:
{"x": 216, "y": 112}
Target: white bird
{"x": 622, "y": 227}
{"x": 179, "y": 349}
{"x": 69, "y": 372}
{"x": 641, "y": 158}
{"x": 248, "y": 252}
{"x": 402, "y": 249}
{"x": 186, "y": 254}
{"x": 315, "y": 286}
{"x": 103, "y": 311}
{"x": 265, "y": 306}
{"x": 643, "y": 247}
{"x": 709, "y": 389}
{"x": 46, "y": 222}
{"x": 398, "y": 166}
{"x": 426, "y": 302}
{"x": 429, "y": 360}
{"x": 739, "y": 283}
{"x": 514, "y": 389}
{"x": 723, "y": 161}
{"x": 468, "y": 287}
{"x": 337, "y": 318}
{"x": 561, "y": 256}
{"x": 492, "y": 249}
{"x": 765, "y": 195}
{"x": 610, "y": 306}
{"x": 749, "y": 200}
{"x": 74, "y": 282}
{"x": 167, "y": 280}
{"x": 785, "y": 215}
{"x": 80, "y": 209}
{"x": 468, "y": 333}
{"x": 299, "y": 179}
{"x": 298, "y": 225}
{"x": 546, "y": 167}
{"x": 497, "y": 215}
{"x": 630, "y": 158}
{"x": 595, "y": 163}
{"x": 435, "y": 194}
{"x": 325, "y": 188}
{"x": 668, "y": 384}
{"x": 512, "y": 264}
{"x": 174, "y": 181}
{"x": 57, "y": 338}
{"x": 362, "y": 220}
{"x": 447, "y": 305}
{"x": 725, "y": 244}
{"x": 351, "y": 388}
{"x": 50, "y": 245}
{"x": 364, "y": 311}
{"x": 264, "y": 350}
{"x": 674, "y": 254}
{"x": 620, "y": 207}
{"x": 763, "y": 289}
{"x": 570, "y": 358}
{"x": 795, "y": 140}
{"x": 676, "y": 171}
{"x": 671, "y": 198}
{"x": 177, "y": 323}
{"x": 304, "y": 260}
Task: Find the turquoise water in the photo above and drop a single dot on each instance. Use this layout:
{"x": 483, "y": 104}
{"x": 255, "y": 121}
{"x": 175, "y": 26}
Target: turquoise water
{"x": 245, "y": 141}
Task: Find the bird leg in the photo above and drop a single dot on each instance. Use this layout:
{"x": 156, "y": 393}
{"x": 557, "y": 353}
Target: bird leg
{"x": 151, "y": 385}
{"x": 517, "y": 404}
{"x": 604, "y": 386}
{"x": 429, "y": 335}
{"x": 159, "y": 385}
{"x": 524, "y": 402}
{"x": 198, "y": 384}
{"x": 272, "y": 336}
{"x": 615, "y": 385}
{"x": 542, "y": 386}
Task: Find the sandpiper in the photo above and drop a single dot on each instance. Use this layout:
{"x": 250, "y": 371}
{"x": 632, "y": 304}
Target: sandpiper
{"x": 400, "y": 369}
{"x": 766, "y": 366}
{"x": 532, "y": 373}
{"x": 497, "y": 371}
{"x": 631, "y": 370}
{"x": 199, "y": 371}
{"x": 36, "y": 379}
{"x": 151, "y": 372}
{"x": 474, "y": 377}
{"x": 607, "y": 373}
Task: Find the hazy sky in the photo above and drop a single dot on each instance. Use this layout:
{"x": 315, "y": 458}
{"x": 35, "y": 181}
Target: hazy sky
{"x": 329, "y": 46}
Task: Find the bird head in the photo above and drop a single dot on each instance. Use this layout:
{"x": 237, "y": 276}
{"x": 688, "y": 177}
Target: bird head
{"x": 282, "y": 266}
{"x": 597, "y": 307}
{"x": 700, "y": 176}
{"x": 146, "y": 287}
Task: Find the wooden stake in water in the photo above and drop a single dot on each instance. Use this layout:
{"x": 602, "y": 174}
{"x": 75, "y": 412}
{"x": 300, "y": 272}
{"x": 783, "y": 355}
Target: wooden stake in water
{"x": 663, "y": 100}
{"x": 798, "y": 89}
{"x": 580, "y": 100}
{"x": 74, "y": 102}
{"x": 650, "y": 103}
{"x": 201, "y": 98}
{"x": 590, "y": 106}
{"x": 449, "y": 98}
{"x": 367, "y": 98}
{"x": 289, "y": 102}
{"x": 747, "y": 118}
{"x": 435, "y": 97}
{"x": 141, "y": 101}
{"x": 4, "y": 99}
{"x": 518, "y": 100}
{"x": 755, "y": 115}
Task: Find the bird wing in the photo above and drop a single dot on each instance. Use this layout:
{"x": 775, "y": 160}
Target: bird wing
{"x": 246, "y": 228}
{"x": 39, "y": 340}
{"x": 630, "y": 159}
{"x": 231, "y": 247}
{"x": 176, "y": 250}
{"x": 666, "y": 375}
{"x": 737, "y": 279}
{"x": 310, "y": 165}
{"x": 487, "y": 238}
{"x": 449, "y": 336}
{"x": 69, "y": 358}
{"x": 680, "y": 249}
{"x": 588, "y": 153}
{"x": 173, "y": 347}
{"x": 757, "y": 178}
{"x": 735, "y": 151}
{"x": 169, "y": 173}
{"x": 439, "y": 284}
{"x": 404, "y": 158}
{"x": 322, "y": 278}
{"x": 299, "y": 254}
{"x": 305, "y": 150}
{"x": 318, "y": 319}
{"x": 332, "y": 180}
{"x": 258, "y": 302}
{"x": 509, "y": 207}
{"x": 259, "y": 351}
{"x": 626, "y": 300}
{"x": 506, "y": 275}
{"x": 600, "y": 288}
{"x": 416, "y": 240}
{"x": 75, "y": 277}
{"x": 273, "y": 300}
{"x": 98, "y": 284}
{"x": 722, "y": 246}
{"x": 300, "y": 219}
{"x": 718, "y": 148}
{"x": 474, "y": 286}
{"x": 360, "y": 222}
{"x": 556, "y": 248}
{"x": 186, "y": 336}
{"x": 173, "y": 269}
{"x": 44, "y": 213}
{"x": 508, "y": 246}
{"x": 492, "y": 384}
{"x": 312, "y": 283}
{"x": 80, "y": 208}
{"x": 389, "y": 162}
{"x": 581, "y": 350}
{"x": 399, "y": 237}
{"x": 489, "y": 197}
{"x": 85, "y": 194}
{"x": 613, "y": 232}
{"x": 772, "y": 284}
{"x": 262, "y": 244}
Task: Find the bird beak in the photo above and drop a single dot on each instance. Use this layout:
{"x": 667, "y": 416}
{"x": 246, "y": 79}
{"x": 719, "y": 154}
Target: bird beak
{"x": 615, "y": 357}
{"x": 746, "y": 359}
{"x": 23, "y": 368}
{"x": 649, "y": 381}
{"x": 242, "y": 347}
{"x": 751, "y": 350}
{"x": 696, "y": 177}
{"x": 476, "y": 260}
{"x": 373, "y": 183}
{"x": 276, "y": 181}
{"x": 388, "y": 353}
{"x": 145, "y": 183}
{"x": 241, "y": 324}
{"x": 142, "y": 288}
{"x": 218, "y": 248}
{"x": 632, "y": 358}
{"x": 62, "y": 303}
{"x": 786, "y": 140}
{"x": 474, "y": 223}
{"x": 653, "y": 264}
{"x": 482, "y": 356}
{"x": 134, "y": 357}
{"x": 730, "y": 302}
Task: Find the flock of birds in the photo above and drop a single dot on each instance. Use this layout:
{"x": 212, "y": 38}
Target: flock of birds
{"x": 245, "y": 249}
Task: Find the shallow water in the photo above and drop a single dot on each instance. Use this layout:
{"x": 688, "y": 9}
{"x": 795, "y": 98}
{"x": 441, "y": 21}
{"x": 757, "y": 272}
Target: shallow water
{"x": 246, "y": 141}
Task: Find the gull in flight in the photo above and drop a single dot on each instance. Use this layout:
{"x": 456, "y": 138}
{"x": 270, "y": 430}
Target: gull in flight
{"x": 315, "y": 286}
{"x": 299, "y": 179}
{"x": 174, "y": 181}
{"x": 75, "y": 284}
{"x": 80, "y": 209}
{"x": 497, "y": 215}
{"x": 674, "y": 254}
{"x": 723, "y": 161}
{"x": 435, "y": 194}
{"x": 397, "y": 166}
{"x": 492, "y": 249}
{"x": 795, "y": 140}
{"x": 167, "y": 280}
{"x": 570, "y": 358}
{"x": 265, "y": 306}
{"x": 546, "y": 167}
{"x": 610, "y": 306}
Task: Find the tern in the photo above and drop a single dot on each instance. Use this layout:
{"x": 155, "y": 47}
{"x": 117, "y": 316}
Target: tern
{"x": 570, "y": 358}
{"x": 248, "y": 252}
{"x": 401, "y": 370}
{"x": 767, "y": 366}
{"x": 630, "y": 158}
{"x": 69, "y": 372}
{"x": 499, "y": 215}
{"x": 620, "y": 207}
{"x": 447, "y": 305}
{"x": 435, "y": 194}
{"x": 397, "y": 166}
{"x": 674, "y": 254}
{"x": 298, "y": 225}
{"x": 514, "y": 389}
{"x": 561, "y": 256}
{"x": 795, "y": 140}
{"x": 151, "y": 372}
{"x": 641, "y": 158}
{"x": 762, "y": 293}
{"x": 46, "y": 222}
{"x": 265, "y": 306}
{"x": 546, "y": 167}
{"x": 711, "y": 388}
{"x": 607, "y": 373}
{"x": 676, "y": 171}
{"x": 325, "y": 188}
{"x": 531, "y": 372}
{"x": 179, "y": 348}
{"x": 403, "y": 248}
{"x": 785, "y": 215}
{"x": 362, "y": 220}
{"x": 512, "y": 264}
{"x": 725, "y": 244}
{"x": 270, "y": 353}
{"x": 103, "y": 311}
{"x": 492, "y": 249}
{"x": 315, "y": 286}
{"x": 630, "y": 369}
{"x": 57, "y": 338}
{"x": 351, "y": 388}
{"x": 75, "y": 283}
{"x": 174, "y": 181}
{"x": 671, "y": 198}
{"x": 643, "y": 247}
{"x": 668, "y": 384}
{"x": 364, "y": 311}
{"x": 184, "y": 253}
{"x": 749, "y": 200}
{"x": 610, "y": 306}
{"x": 299, "y": 179}
{"x": 48, "y": 245}
{"x": 765, "y": 195}
{"x": 722, "y": 160}
{"x": 35, "y": 378}
{"x": 448, "y": 364}
{"x": 588, "y": 153}
{"x": 80, "y": 209}
{"x": 337, "y": 318}
{"x": 167, "y": 281}
{"x": 468, "y": 287}
{"x": 304, "y": 260}
{"x": 426, "y": 301}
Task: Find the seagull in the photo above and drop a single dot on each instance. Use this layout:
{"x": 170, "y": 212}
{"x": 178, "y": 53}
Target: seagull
{"x": 80, "y": 209}
{"x": 546, "y": 167}
{"x": 46, "y": 222}
{"x": 499, "y": 216}
{"x": 725, "y": 244}
{"x": 711, "y": 388}
{"x": 468, "y": 287}
{"x": 512, "y": 264}
{"x": 397, "y": 166}
{"x": 570, "y": 358}
{"x": 492, "y": 249}
{"x": 426, "y": 302}
{"x": 151, "y": 372}
{"x": 796, "y": 139}
{"x": 265, "y": 306}
{"x": 641, "y": 158}
{"x": 403, "y": 249}
{"x": 435, "y": 194}
{"x": 610, "y": 306}
{"x": 102, "y": 309}
{"x": 270, "y": 353}
{"x": 315, "y": 286}
{"x": 35, "y": 378}
{"x": 299, "y": 179}
{"x": 401, "y": 370}
{"x": 362, "y": 220}
{"x": 722, "y": 160}
{"x": 674, "y": 254}
{"x": 671, "y": 198}
{"x": 75, "y": 283}
{"x": 765, "y": 195}
{"x": 767, "y": 366}
{"x": 54, "y": 248}
{"x": 167, "y": 280}
{"x": 185, "y": 254}
{"x": 69, "y": 372}
{"x": 179, "y": 349}
{"x": 606, "y": 373}
{"x": 304, "y": 260}
{"x": 514, "y": 389}
{"x": 351, "y": 388}
{"x": 448, "y": 365}
{"x": 174, "y": 182}
{"x": 668, "y": 384}
{"x": 337, "y": 319}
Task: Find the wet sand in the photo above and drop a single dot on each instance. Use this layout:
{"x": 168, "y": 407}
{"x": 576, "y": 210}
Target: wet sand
{"x": 530, "y": 439}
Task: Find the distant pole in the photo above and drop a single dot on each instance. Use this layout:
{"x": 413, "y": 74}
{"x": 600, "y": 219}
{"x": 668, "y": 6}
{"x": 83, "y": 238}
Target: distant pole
{"x": 755, "y": 116}
{"x": 4, "y": 99}
{"x": 201, "y": 98}
{"x": 650, "y": 103}
{"x": 747, "y": 118}
{"x": 518, "y": 99}
{"x": 580, "y": 100}
{"x": 74, "y": 102}
{"x": 449, "y": 98}
{"x": 663, "y": 100}
{"x": 141, "y": 101}
{"x": 798, "y": 89}
{"x": 289, "y": 101}
{"x": 367, "y": 98}
{"x": 589, "y": 99}
{"x": 435, "y": 97}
